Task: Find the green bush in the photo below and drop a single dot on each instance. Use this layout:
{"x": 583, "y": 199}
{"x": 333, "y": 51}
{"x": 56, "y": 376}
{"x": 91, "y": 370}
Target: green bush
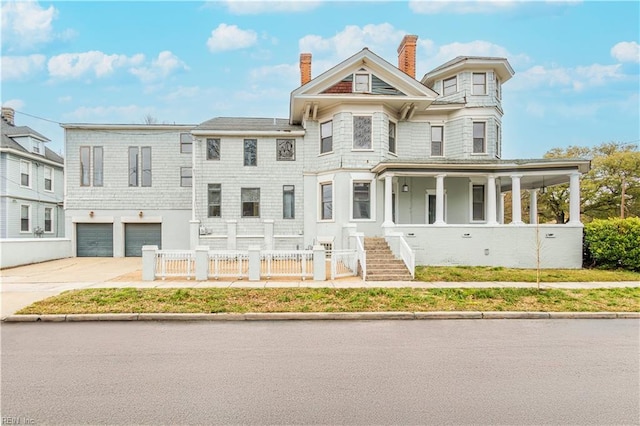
{"x": 613, "y": 243}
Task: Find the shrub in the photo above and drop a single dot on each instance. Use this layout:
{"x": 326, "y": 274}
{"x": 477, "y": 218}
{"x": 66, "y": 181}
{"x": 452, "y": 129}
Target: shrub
{"x": 613, "y": 243}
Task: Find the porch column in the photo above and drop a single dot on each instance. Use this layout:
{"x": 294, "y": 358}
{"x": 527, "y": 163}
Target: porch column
{"x": 516, "y": 202}
{"x": 574, "y": 198}
{"x": 501, "y": 208}
{"x": 440, "y": 200}
{"x": 533, "y": 206}
{"x": 388, "y": 204}
{"x": 491, "y": 200}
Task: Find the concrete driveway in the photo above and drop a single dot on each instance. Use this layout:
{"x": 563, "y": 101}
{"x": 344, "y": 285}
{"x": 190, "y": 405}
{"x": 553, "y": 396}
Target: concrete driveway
{"x": 24, "y": 285}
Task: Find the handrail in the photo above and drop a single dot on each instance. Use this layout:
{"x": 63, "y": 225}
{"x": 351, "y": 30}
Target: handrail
{"x": 362, "y": 256}
{"x": 408, "y": 256}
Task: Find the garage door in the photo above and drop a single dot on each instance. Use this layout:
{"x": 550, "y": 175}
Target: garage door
{"x": 94, "y": 239}
{"x": 137, "y": 235}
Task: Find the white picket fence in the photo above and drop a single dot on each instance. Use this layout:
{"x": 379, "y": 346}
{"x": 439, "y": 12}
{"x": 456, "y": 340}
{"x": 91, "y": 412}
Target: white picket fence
{"x": 344, "y": 263}
{"x": 287, "y": 263}
{"x": 175, "y": 263}
{"x": 228, "y": 263}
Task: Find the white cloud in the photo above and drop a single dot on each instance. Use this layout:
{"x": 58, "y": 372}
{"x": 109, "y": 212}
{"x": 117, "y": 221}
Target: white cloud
{"x": 19, "y": 67}
{"x": 281, "y": 72}
{"x": 575, "y": 78}
{"x": 434, "y": 57}
{"x": 254, "y": 7}
{"x": 16, "y": 104}
{"x": 230, "y": 37}
{"x": 431, "y": 7}
{"x": 99, "y": 64}
{"x": 165, "y": 64}
{"x": 26, "y": 24}
{"x": 626, "y": 51}
{"x": 182, "y": 92}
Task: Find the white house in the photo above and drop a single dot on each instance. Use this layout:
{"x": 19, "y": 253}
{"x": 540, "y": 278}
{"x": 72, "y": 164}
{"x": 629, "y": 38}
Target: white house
{"x": 31, "y": 183}
{"x": 367, "y": 150}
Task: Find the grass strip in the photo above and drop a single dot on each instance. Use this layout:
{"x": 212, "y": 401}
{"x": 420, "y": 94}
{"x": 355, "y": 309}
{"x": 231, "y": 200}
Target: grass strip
{"x": 237, "y": 300}
{"x": 479, "y": 273}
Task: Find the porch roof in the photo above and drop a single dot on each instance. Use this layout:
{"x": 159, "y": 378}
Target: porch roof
{"x": 536, "y": 173}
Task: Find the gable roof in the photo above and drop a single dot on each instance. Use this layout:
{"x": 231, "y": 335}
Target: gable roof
{"x": 409, "y": 91}
{"x": 9, "y": 132}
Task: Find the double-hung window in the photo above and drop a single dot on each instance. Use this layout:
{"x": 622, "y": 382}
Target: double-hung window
{"x": 326, "y": 137}
{"x": 213, "y": 149}
{"x": 25, "y": 218}
{"x": 437, "y": 141}
{"x": 186, "y": 143}
{"x": 479, "y": 83}
{"x": 479, "y": 137}
{"x": 139, "y": 166}
{"x": 48, "y": 178}
{"x": 48, "y": 219}
{"x": 25, "y": 173}
{"x": 326, "y": 199}
{"x": 361, "y": 83}
{"x": 288, "y": 202}
{"x": 250, "y": 152}
{"x": 362, "y": 132}
{"x": 186, "y": 176}
{"x": 392, "y": 137}
{"x": 477, "y": 202}
{"x": 85, "y": 166}
{"x": 450, "y": 86}
{"x": 362, "y": 200}
{"x": 214, "y": 200}
{"x": 250, "y": 202}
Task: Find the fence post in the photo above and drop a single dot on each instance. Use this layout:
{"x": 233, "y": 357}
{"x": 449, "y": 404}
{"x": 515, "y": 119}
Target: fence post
{"x": 254, "y": 263}
{"x": 202, "y": 263}
{"x": 149, "y": 263}
{"x": 319, "y": 263}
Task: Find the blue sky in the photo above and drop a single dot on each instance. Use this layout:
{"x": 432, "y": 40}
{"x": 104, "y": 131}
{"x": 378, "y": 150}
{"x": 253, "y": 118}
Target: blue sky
{"x": 577, "y": 63}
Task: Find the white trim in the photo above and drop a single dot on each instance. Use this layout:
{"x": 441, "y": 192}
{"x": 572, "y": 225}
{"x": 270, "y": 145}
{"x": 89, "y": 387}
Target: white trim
{"x": 29, "y": 173}
{"x": 433, "y": 192}
{"x": 31, "y": 156}
{"x": 477, "y": 181}
{"x": 369, "y": 178}
{"x": 29, "y": 210}
{"x": 280, "y": 133}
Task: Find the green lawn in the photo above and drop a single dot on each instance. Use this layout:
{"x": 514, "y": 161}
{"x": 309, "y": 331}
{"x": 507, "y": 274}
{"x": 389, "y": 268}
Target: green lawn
{"x": 236, "y": 300}
{"x": 467, "y": 273}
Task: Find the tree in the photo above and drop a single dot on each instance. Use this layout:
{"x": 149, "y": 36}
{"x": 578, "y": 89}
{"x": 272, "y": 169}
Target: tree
{"x": 610, "y": 189}
{"x": 150, "y": 119}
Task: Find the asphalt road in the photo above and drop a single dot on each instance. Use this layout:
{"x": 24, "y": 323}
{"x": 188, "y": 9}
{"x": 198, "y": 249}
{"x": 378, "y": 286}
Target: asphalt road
{"x": 323, "y": 372}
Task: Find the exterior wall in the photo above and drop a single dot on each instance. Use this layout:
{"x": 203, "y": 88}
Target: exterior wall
{"x": 14, "y": 195}
{"x": 24, "y": 251}
{"x": 175, "y": 225}
{"x": 270, "y": 175}
{"x": 511, "y": 246}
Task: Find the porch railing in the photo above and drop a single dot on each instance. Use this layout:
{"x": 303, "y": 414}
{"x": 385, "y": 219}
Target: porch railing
{"x": 287, "y": 263}
{"x": 344, "y": 263}
{"x": 228, "y": 263}
{"x": 175, "y": 263}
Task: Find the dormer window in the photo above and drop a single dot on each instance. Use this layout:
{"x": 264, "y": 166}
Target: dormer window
{"x": 479, "y": 83}
{"x": 449, "y": 86}
{"x": 36, "y": 147}
{"x": 361, "y": 83}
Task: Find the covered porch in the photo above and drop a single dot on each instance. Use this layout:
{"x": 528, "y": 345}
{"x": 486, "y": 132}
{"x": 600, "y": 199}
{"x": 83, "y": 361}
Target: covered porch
{"x": 453, "y": 212}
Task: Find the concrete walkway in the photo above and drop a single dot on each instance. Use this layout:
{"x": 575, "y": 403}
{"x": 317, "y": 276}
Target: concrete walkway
{"x": 27, "y": 284}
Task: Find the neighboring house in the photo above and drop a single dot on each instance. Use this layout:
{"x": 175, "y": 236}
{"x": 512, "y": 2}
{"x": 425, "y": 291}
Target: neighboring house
{"x": 31, "y": 183}
{"x": 367, "y": 150}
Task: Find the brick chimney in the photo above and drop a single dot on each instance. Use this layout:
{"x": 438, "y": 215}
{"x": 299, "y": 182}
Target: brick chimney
{"x": 305, "y": 68}
{"x": 407, "y": 55}
{"x": 8, "y": 115}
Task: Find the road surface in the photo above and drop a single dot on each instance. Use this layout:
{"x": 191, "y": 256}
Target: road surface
{"x": 323, "y": 372}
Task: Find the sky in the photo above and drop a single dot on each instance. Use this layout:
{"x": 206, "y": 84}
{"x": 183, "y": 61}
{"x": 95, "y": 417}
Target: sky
{"x": 577, "y": 78}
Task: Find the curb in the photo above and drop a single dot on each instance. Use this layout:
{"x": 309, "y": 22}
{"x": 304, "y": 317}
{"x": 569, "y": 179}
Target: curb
{"x": 313, "y": 316}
